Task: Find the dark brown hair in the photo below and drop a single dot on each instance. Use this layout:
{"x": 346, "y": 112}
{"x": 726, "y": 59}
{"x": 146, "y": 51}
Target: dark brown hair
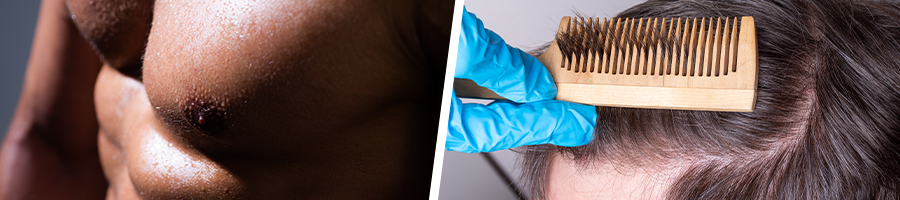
{"x": 826, "y": 123}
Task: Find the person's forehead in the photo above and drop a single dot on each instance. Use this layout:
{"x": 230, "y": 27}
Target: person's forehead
{"x": 604, "y": 180}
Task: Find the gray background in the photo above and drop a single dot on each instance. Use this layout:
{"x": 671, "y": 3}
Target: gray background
{"x": 17, "y": 21}
{"x": 526, "y": 24}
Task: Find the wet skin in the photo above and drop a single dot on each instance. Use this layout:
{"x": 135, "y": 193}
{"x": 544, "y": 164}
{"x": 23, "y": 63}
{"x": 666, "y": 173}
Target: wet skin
{"x": 260, "y": 99}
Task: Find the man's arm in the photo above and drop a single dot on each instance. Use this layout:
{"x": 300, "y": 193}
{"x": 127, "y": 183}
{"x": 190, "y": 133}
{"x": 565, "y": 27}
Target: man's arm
{"x": 50, "y": 150}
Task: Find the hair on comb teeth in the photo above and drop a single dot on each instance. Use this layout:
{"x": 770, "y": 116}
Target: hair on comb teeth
{"x": 650, "y": 46}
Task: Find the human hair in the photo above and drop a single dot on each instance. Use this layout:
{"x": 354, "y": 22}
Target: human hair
{"x": 826, "y": 123}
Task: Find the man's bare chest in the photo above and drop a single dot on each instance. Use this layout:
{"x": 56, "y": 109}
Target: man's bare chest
{"x": 256, "y": 101}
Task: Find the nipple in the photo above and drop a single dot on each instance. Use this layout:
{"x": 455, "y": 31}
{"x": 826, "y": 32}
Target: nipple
{"x": 206, "y": 116}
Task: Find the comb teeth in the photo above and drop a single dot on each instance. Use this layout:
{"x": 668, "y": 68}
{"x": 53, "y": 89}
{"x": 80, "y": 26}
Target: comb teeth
{"x": 670, "y": 63}
{"x": 693, "y": 47}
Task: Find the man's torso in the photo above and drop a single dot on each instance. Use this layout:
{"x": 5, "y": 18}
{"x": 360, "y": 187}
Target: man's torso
{"x": 262, "y": 98}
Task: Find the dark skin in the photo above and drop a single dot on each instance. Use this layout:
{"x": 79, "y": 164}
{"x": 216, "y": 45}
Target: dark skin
{"x": 267, "y": 99}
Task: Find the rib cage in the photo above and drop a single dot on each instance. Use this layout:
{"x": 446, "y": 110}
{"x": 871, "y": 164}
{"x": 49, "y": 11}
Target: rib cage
{"x": 650, "y": 46}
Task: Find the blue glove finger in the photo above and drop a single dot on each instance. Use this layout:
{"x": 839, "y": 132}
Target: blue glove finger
{"x": 502, "y": 125}
{"x": 486, "y": 59}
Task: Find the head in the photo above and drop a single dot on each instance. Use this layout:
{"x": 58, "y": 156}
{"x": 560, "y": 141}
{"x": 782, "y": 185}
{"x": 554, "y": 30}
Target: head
{"x": 826, "y": 122}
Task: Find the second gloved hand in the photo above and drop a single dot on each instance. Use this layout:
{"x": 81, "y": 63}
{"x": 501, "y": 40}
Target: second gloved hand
{"x": 531, "y": 117}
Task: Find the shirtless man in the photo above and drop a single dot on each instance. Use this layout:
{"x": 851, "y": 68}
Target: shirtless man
{"x": 220, "y": 99}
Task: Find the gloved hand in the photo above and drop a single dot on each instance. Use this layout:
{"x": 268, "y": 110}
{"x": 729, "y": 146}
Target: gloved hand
{"x": 531, "y": 117}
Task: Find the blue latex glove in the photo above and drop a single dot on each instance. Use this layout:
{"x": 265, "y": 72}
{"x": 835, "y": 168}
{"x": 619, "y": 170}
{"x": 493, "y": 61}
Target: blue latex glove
{"x": 531, "y": 118}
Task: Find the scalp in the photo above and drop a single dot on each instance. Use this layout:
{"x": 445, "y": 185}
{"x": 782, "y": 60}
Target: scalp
{"x": 825, "y": 123}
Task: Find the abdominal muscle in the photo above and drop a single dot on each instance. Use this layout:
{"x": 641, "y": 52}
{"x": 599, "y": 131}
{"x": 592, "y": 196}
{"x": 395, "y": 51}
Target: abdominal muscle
{"x": 386, "y": 155}
{"x": 139, "y": 157}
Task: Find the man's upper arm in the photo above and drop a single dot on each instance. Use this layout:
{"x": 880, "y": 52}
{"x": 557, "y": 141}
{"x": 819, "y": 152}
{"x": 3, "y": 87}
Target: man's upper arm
{"x": 51, "y": 145}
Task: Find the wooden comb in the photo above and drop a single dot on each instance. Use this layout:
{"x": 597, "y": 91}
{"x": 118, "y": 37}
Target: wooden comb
{"x": 662, "y": 63}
